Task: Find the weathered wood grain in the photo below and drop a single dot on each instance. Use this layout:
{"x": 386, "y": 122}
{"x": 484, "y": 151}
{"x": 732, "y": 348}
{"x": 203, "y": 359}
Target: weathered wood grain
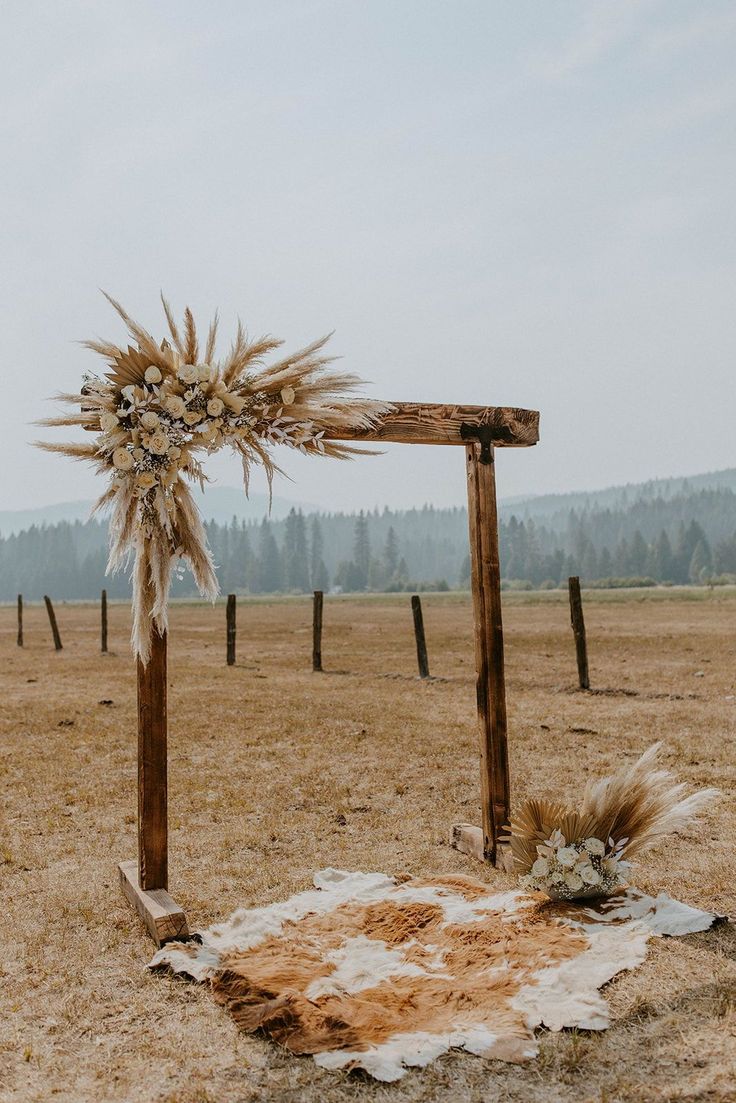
{"x": 577, "y": 621}
{"x": 489, "y": 657}
{"x": 103, "y": 622}
{"x": 162, "y": 916}
{"x": 152, "y": 771}
{"x": 317, "y": 631}
{"x": 230, "y": 629}
{"x": 438, "y": 423}
{"x": 422, "y": 659}
{"x": 52, "y": 622}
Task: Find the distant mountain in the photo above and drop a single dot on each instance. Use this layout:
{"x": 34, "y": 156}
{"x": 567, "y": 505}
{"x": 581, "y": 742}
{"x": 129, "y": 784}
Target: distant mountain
{"x": 554, "y": 509}
{"x": 219, "y": 503}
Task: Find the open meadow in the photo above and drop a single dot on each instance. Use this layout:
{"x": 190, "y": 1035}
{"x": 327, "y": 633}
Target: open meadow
{"x": 276, "y": 772}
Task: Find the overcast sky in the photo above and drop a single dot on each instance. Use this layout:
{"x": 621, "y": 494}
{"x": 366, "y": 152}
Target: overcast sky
{"x": 522, "y": 203}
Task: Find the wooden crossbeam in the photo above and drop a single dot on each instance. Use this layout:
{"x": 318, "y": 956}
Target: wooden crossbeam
{"x": 441, "y": 423}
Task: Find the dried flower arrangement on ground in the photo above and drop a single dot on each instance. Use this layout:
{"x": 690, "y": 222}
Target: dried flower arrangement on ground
{"x": 161, "y": 406}
{"x": 572, "y": 855}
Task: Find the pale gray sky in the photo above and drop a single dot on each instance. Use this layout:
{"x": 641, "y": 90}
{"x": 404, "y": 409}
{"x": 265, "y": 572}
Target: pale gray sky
{"x": 525, "y": 203}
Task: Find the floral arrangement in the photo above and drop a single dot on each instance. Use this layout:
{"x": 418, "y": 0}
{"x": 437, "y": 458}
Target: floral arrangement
{"x": 571, "y": 855}
{"x": 161, "y": 406}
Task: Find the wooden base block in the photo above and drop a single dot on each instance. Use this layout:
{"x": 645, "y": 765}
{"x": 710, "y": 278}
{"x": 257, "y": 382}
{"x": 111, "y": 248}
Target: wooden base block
{"x": 162, "y": 916}
{"x": 468, "y": 839}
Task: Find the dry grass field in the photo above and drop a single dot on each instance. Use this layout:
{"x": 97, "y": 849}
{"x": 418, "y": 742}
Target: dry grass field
{"x": 276, "y": 772}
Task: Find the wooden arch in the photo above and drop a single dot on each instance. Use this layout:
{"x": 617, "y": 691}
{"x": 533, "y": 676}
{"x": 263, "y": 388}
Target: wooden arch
{"x": 480, "y": 429}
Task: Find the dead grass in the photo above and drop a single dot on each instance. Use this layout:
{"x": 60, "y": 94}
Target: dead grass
{"x": 276, "y": 772}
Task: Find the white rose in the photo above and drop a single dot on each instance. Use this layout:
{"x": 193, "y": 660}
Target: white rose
{"x": 191, "y": 417}
{"x": 540, "y": 867}
{"x": 573, "y": 881}
{"x": 234, "y": 401}
{"x": 149, "y": 420}
{"x": 204, "y": 372}
{"x": 557, "y": 877}
{"x": 146, "y": 480}
{"x": 158, "y": 443}
{"x": 153, "y": 375}
{"x": 595, "y": 846}
{"x": 188, "y": 373}
{"x": 122, "y": 459}
{"x": 590, "y": 876}
{"x": 108, "y": 421}
{"x": 174, "y": 452}
{"x": 567, "y": 856}
{"x": 215, "y": 406}
{"x": 288, "y": 395}
{"x": 175, "y": 405}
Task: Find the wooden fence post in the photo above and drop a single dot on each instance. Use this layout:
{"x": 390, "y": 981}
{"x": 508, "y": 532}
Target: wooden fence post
{"x": 153, "y": 870}
{"x": 52, "y": 621}
{"x": 230, "y": 620}
{"x": 317, "y": 630}
{"x": 103, "y": 622}
{"x": 578, "y": 628}
{"x": 422, "y": 660}
{"x": 20, "y": 620}
{"x": 489, "y": 660}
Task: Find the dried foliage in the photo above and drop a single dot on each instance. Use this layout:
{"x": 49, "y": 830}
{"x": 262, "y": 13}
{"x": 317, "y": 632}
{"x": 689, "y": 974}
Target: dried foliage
{"x": 158, "y": 408}
{"x": 555, "y": 849}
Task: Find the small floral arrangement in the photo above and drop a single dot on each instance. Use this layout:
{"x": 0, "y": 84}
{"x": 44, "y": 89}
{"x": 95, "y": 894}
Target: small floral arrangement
{"x": 572, "y": 855}
{"x": 568, "y": 871}
{"x": 161, "y": 406}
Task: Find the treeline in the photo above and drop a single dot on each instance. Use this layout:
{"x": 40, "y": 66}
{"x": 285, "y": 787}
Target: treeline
{"x": 689, "y": 538}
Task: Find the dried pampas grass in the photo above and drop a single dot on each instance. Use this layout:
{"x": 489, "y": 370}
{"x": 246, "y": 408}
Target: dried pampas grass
{"x": 159, "y": 407}
{"x": 620, "y": 816}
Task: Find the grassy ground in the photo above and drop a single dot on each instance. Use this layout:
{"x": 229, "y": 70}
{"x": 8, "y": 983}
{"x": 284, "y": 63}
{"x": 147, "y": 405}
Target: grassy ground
{"x": 275, "y": 772}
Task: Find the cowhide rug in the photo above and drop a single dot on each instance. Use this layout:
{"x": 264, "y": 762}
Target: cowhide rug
{"x": 368, "y": 971}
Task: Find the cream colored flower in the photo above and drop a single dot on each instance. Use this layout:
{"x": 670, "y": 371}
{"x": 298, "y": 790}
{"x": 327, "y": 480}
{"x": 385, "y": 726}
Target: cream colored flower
{"x": 122, "y": 459}
{"x": 540, "y": 867}
{"x": 129, "y": 393}
{"x": 191, "y": 417}
{"x": 589, "y": 875}
{"x": 595, "y": 846}
{"x": 138, "y": 453}
{"x": 158, "y": 443}
{"x": 174, "y": 452}
{"x": 108, "y": 421}
{"x": 188, "y": 373}
{"x": 204, "y": 372}
{"x": 175, "y": 405}
{"x": 215, "y": 406}
{"x": 153, "y": 374}
{"x": 573, "y": 881}
{"x": 146, "y": 480}
{"x": 234, "y": 402}
{"x": 149, "y": 420}
{"x": 288, "y": 395}
{"x": 567, "y": 856}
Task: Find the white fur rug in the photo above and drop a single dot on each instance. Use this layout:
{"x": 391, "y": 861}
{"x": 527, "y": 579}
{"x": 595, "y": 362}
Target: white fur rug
{"x": 367, "y": 971}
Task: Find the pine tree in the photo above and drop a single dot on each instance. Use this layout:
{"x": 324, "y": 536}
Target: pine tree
{"x": 391, "y": 552}
{"x": 361, "y": 551}
{"x": 270, "y": 566}
{"x": 318, "y": 576}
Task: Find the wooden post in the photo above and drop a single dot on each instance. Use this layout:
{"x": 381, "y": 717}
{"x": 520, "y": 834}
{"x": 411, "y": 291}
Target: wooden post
{"x": 20, "y": 620}
{"x": 578, "y": 628}
{"x": 103, "y": 622}
{"x": 152, "y": 778}
{"x": 489, "y": 661}
{"x": 230, "y": 620}
{"x": 422, "y": 660}
{"x": 317, "y": 630}
{"x": 52, "y": 621}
